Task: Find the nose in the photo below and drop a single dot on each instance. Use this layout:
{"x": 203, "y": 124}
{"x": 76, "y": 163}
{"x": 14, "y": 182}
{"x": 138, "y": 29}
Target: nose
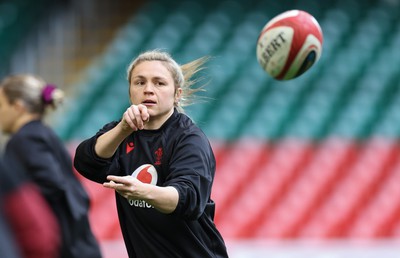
{"x": 148, "y": 88}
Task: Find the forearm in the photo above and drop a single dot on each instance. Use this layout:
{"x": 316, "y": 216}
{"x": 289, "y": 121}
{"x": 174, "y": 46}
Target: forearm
{"x": 164, "y": 199}
{"x": 107, "y": 144}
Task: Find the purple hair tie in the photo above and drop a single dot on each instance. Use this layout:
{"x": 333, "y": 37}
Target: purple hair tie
{"x": 47, "y": 93}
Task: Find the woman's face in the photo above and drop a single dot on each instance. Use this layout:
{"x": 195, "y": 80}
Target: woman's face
{"x": 153, "y": 86}
{"x": 8, "y": 114}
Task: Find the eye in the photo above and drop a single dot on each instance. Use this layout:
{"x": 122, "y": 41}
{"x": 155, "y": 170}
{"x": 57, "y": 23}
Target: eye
{"x": 160, "y": 83}
{"x": 139, "y": 83}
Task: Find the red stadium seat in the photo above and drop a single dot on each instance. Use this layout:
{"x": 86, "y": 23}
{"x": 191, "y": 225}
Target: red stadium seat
{"x": 271, "y": 180}
{"x": 233, "y": 173}
{"x": 307, "y": 191}
{"x": 382, "y": 211}
{"x": 350, "y": 195}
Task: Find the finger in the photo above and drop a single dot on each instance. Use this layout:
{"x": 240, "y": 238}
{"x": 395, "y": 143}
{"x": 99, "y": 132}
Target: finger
{"x": 131, "y": 115}
{"x": 119, "y": 180}
{"x": 135, "y": 116}
{"x": 128, "y": 124}
{"x": 144, "y": 113}
{"x": 112, "y": 185}
{"x": 127, "y": 118}
{"x": 113, "y": 179}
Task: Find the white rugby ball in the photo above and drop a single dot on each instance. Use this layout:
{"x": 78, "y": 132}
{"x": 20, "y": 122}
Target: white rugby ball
{"x": 289, "y": 44}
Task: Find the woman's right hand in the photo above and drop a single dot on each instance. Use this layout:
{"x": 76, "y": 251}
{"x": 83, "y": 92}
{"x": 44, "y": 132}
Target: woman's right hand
{"x": 135, "y": 117}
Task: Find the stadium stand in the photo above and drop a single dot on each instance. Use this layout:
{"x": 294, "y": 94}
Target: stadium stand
{"x": 17, "y": 18}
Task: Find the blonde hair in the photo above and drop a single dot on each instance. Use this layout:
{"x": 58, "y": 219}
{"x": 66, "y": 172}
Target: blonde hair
{"x": 181, "y": 74}
{"x": 33, "y": 91}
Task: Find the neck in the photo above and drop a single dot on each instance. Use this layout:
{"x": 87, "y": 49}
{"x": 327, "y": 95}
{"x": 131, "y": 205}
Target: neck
{"x": 156, "y": 122}
{"x": 23, "y": 120}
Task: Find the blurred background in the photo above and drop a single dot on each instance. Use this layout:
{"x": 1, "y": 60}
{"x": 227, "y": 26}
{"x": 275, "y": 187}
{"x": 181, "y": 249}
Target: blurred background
{"x": 305, "y": 168}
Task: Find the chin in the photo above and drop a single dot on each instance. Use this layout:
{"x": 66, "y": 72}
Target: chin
{"x": 151, "y": 112}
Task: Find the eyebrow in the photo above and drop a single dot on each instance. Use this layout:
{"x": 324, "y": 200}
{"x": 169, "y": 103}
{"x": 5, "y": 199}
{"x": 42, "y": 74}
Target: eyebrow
{"x": 143, "y": 77}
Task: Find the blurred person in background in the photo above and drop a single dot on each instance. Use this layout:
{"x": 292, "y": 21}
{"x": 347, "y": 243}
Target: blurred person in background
{"x": 160, "y": 164}
{"x": 33, "y": 145}
{"x": 26, "y": 218}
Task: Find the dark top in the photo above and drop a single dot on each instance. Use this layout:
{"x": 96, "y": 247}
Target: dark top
{"x": 182, "y": 158}
{"x": 44, "y": 157}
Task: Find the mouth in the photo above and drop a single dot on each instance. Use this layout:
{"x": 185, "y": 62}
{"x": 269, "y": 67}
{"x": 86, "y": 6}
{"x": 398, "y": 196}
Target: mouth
{"x": 149, "y": 102}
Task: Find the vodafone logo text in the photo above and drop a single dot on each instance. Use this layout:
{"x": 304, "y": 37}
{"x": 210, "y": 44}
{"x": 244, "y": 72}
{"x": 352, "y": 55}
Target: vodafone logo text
{"x": 146, "y": 173}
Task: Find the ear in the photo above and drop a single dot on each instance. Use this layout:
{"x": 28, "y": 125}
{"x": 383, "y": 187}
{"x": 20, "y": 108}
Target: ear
{"x": 178, "y": 94}
{"x": 19, "y": 106}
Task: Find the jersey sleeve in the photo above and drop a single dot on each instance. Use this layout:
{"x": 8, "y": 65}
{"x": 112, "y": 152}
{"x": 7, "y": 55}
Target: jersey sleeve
{"x": 192, "y": 171}
{"x": 88, "y": 163}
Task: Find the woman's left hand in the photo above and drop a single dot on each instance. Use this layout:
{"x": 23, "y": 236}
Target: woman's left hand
{"x": 127, "y": 186}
